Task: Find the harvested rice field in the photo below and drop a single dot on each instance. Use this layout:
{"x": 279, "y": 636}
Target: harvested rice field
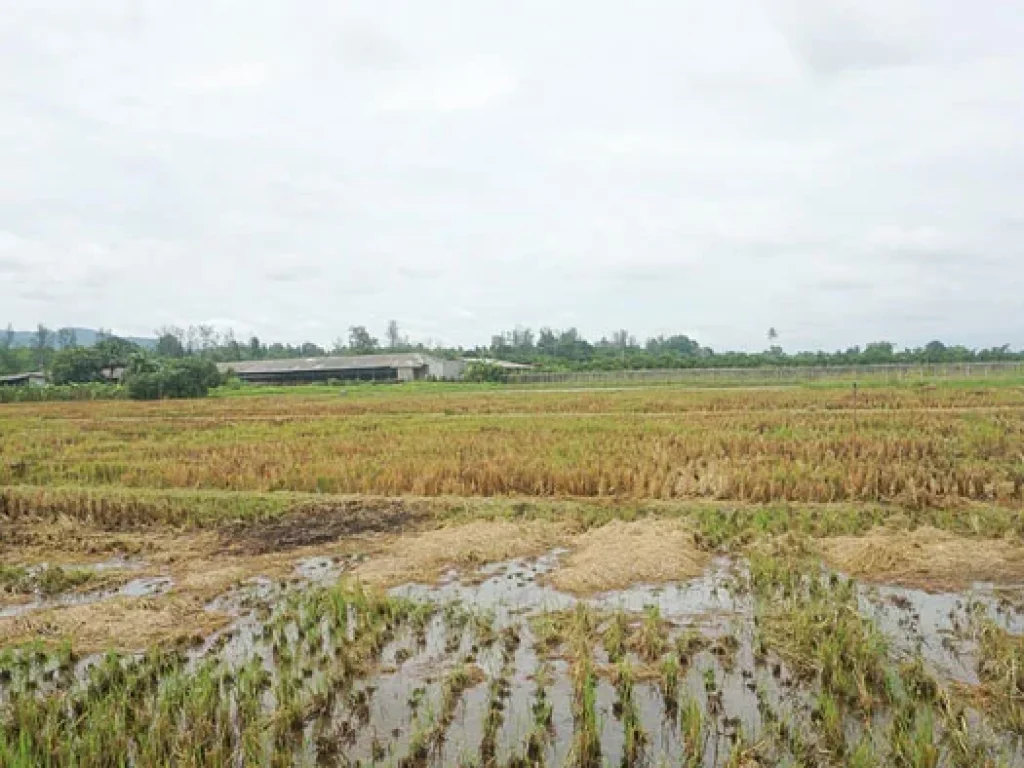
{"x": 761, "y": 577}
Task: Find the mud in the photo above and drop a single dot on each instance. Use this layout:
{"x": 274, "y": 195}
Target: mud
{"x": 141, "y": 587}
{"x": 521, "y": 588}
{"x": 514, "y": 592}
{"x": 477, "y": 607}
{"x": 322, "y": 524}
{"x": 423, "y": 557}
{"x": 938, "y": 626}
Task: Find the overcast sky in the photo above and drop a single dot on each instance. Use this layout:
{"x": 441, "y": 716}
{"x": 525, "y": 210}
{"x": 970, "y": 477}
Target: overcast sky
{"x": 843, "y": 171}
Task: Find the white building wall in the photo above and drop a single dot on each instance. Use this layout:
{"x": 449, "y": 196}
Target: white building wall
{"x": 445, "y": 370}
{"x": 435, "y": 367}
{"x": 454, "y": 370}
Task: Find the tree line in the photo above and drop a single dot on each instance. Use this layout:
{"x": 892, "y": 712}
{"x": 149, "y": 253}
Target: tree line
{"x": 226, "y": 347}
{"x": 568, "y": 350}
{"x": 59, "y": 353}
{"x": 112, "y": 361}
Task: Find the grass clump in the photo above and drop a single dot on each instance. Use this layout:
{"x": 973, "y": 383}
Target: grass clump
{"x": 45, "y": 581}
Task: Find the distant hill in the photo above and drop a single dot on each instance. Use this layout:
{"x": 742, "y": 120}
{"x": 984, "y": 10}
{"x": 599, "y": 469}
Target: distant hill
{"x": 85, "y": 337}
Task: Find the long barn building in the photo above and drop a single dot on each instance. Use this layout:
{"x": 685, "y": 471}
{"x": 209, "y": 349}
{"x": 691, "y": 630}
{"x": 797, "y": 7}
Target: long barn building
{"x": 398, "y": 367}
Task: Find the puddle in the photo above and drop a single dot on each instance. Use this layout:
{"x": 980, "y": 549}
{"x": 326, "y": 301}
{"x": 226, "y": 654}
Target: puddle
{"x": 513, "y": 592}
{"x": 142, "y": 587}
{"x": 701, "y": 598}
{"x": 516, "y": 588}
{"x": 255, "y": 591}
{"x": 508, "y": 590}
{"x": 938, "y": 625}
{"x": 117, "y": 563}
{"x": 485, "y": 623}
{"x": 321, "y": 570}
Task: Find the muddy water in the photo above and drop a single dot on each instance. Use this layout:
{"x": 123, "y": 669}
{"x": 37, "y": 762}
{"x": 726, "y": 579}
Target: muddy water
{"x": 515, "y": 591}
{"x": 142, "y": 587}
{"x": 378, "y": 720}
{"x": 939, "y": 626}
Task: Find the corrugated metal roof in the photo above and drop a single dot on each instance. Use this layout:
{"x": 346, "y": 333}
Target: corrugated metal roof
{"x": 22, "y": 377}
{"x": 345, "y": 363}
{"x": 500, "y": 363}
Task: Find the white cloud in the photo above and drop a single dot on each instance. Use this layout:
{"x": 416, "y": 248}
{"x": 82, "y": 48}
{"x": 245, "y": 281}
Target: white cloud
{"x": 900, "y": 238}
{"x": 240, "y": 75}
{"x": 452, "y": 87}
{"x": 842, "y": 170}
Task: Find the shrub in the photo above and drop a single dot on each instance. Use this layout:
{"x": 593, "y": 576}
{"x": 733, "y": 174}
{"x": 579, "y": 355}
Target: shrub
{"x": 486, "y": 372}
{"x": 77, "y": 365}
{"x": 69, "y": 392}
{"x": 182, "y": 378}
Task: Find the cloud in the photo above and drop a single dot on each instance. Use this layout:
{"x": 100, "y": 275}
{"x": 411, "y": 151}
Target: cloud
{"x": 249, "y": 74}
{"x": 853, "y": 173}
{"x": 452, "y": 87}
{"x": 419, "y": 272}
{"x": 842, "y": 284}
{"x": 903, "y": 238}
{"x": 11, "y": 265}
{"x": 287, "y": 276}
{"x": 365, "y": 45}
{"x": 39, "y": 294}
{"x": 840, "y": 35}
{"x": 290, "y": 268}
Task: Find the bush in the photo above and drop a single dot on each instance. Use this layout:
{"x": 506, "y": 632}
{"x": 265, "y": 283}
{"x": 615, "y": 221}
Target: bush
{"x": 486, "y": 372}
{"x": 183, "y": 378}
{"x": 61, "y": 393}
{"x": 77, "y": 365}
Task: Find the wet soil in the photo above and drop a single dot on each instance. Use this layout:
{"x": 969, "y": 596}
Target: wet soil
{"x": 741, "y": 694}
{"x": 317, "y": 524}
{"x": 141, "y": 587}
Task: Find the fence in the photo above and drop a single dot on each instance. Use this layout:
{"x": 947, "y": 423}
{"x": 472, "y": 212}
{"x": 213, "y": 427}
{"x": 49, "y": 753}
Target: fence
{"x": 771, "y": 375}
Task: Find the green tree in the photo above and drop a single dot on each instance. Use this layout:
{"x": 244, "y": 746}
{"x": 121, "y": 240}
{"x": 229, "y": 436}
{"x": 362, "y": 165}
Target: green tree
{"x": 170, "y": 342}
{"x": 394, "y": 335}
{"x": 115, "y": 351}
{"x": 77, "y": 365}
{"x": 679, "y": 345}
{"x": 482, "y": 371}
{"x": 256, "y": 349}
{"x": 187, "y": 377}
{"x": 67, "y": 338}
{"x": 42, "y": 345}
{"x": 360, "y": 341}
{"x": 8, "y": 355}
{"x": 878, "y": 352}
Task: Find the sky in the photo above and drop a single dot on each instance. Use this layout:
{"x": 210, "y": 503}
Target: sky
{"x": 841, "y": 171}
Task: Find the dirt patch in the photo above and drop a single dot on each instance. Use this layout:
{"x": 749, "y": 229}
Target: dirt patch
{"x": 422, "y": 557}
{"x": 321, "y": 524}
{"x": 196, "y": 562}
{"x": 123, "y": 623}
{"x": 619, "y": 555}
{"x": 64, "y": 540}
{"x": 926, "y": 558}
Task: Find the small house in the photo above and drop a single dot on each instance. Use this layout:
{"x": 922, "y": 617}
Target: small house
{"x": 33, "y": 379}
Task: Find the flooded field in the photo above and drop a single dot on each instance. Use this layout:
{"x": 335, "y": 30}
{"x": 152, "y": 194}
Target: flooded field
{"x": 760, "y": 660}
{"x": 148, "y": 626}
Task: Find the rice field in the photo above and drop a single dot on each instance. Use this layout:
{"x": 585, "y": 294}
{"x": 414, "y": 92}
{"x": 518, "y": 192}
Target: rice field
{"x": 910, "y": 446}
{"x": 645, "y": 577}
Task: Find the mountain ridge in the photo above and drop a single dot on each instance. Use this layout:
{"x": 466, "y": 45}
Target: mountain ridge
{"x": 85, "y": 337}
